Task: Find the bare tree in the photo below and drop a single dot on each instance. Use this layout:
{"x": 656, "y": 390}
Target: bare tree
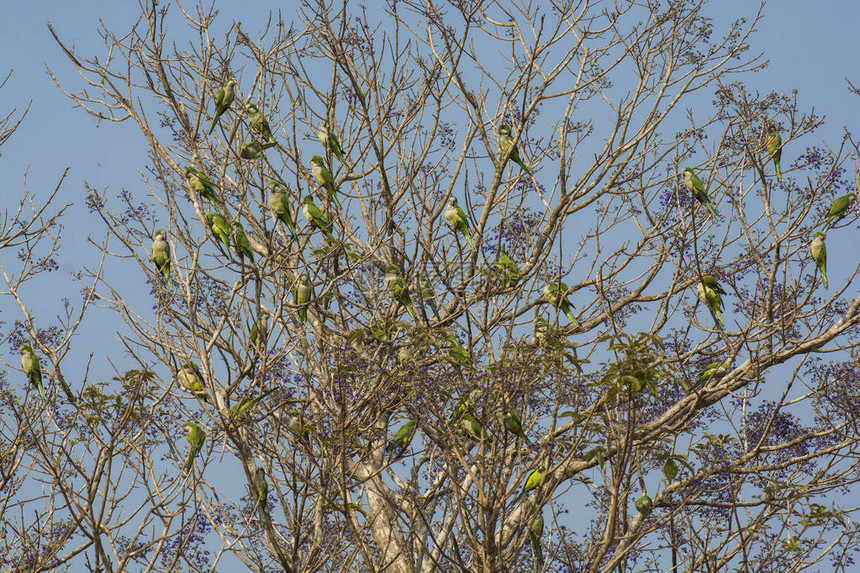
{"x": 400, "y": 386}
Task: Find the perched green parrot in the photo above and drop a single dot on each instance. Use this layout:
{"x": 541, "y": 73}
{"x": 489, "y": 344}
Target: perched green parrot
{"x": 239, "y": 410}
{"x": 456, "y": 351}
{"x": 398, "y": 444}
{"x": 710, "y": 292}
{"x": 317, "y": 218}
{"x": 473, "y": 427}
{"x": 774, "y": 148}
{"x": 428, "y": 295}
{"x": 241, "y": 244}
{"x": 261, "y": 486}
{"x": 838, "y": 209}
{"x": 456, "y": 218}
{"x": 298, "y": 428}
{"x": 195, "y": 436}
{"x": 332, "y": 143}
{"x": 161, "y": 256}
{"x": 544, "y": 333}
{"x": 302, "y": 293}
{"x": 251, "y": 150}
{"x": 465, "y": 404}
{"x": 644, "y": 504}
{"x": 225, "y": 97}
{"x": 322, "y": 175}
{"x": 261, "y": 325}
{"x": 533, "y": 482}
{"x": 200, "y": 184}
{"x": 535, "y": 533}
{"x": 396, "y": 285}
{"x": 280, "y": 204}
{"x": 221, "y": 230}
{"x": 697, "y": 188}
{"x": 506, "y": 268}
{"x": 404, "y": 354}
{"x": 818, "y": 250}
{"x": 514, "y": 425}
{"x": 506, "y": 141}
{"x": 192, "y": 380}
{"x": 712, "y": 370}
{"x": 30, "y": 364}
{"x": 556, "y": 295}
{"x": 258, "y": 122}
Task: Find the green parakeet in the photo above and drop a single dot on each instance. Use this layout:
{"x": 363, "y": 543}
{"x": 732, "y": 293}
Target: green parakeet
{"x": 556, "y": 295}
{"x": 298, "y": 428}
{"x": 192, "y": 380}
{"x": 456, "y": 351}
{"x": 506, "y": 268}
{"x": 535, "y": 533}
{"x": 322, "y": 175}
{"x": 838, "y": 209}
{"x": 280, "y": 204}
{"x": 261, "y": 486}
{"x": 774, "y": 148}
{"x": 30, "y": 364}
{"x": 396, "y": 285}
{"x": 241, "y": 244}
{"x": 332, "y": 143}
{"x": 239, "y": 410}
{"x": 818, "y": 250}
{"x": 473, "y": 427}
{"x": 710, "y": 292}
{"x": 302, "y": 293}
{"x": 200, "y": 184}
{"x": 221, "y": 230}
{"x": 697, "y": 188}
{"x": 644, "y": 504}
{"x": 712, "y": 370}
{"x": 195, "y": 436}
{"x": 533, "y": 482}
{"x": 250, "y": 150}
{"x": 223, "y": 100}
{"x": 261, "y": 325}
{"x": 161, "y": 256}
{"x": 514, "y": 425}
{"x": 428, "y": 295}
{"x": 258, "y": 122}
{"x": 456, "y": 218}
{"x": 465, "y": 404}
{"x": 317, "y": 218}
{"x": 506, "y": 141}
{"x": 400, "y": 441}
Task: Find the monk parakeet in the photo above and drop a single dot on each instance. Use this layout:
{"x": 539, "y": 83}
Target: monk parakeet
{"x": 280, "y": 204}
{"x": 473, "y": 427}
{"x": 250, "y": 150}
{"x": 697, "y": 188}
{"x": 200, "y": 184}
{"x": 465, "y": 404}
{"x": 456, "y": 351}
{"x": 400, "y": 441}
{"x": 195, "y": 436}
{"x": 258, "y": 122}
{"x": 241, "y": 244}
{"x": 221, "y": 230}
{"x": 710, "y": 292}
{"x": 506, "y": 141}
{"x": 161, "y": 256}
{"x": 514, "y": 425}
{"x": 225, "y": 97}
{"x": 819, "y": 254}
{"x": 644, "y": 504}
{"x": 332, "y": 143}
{"x": 556, "y": 295}
{"x": 298, "y": 428}
{"x": 302, "y": 293}
{"x": 317, "y": 218}
{"x": 322, "y": 175}
{"x": 838, "y": 209}
{"x": 535, "y": 533}
{"x": 30, "y": 364}
{"x": 261, "y": 325}
{"x": 261, "y": 486}
{"x": 712, "y": 370}
{"x": 192, "y": 380}
{"x": 533, "y": 482}
{"x": 428, "y": 295}
{"x": 396, "y": 285}
{"x": 404, "y": 354}
{"x": 506, "y": 268}
{"x": 244, "y": 406}
{"x": 456, "y": 218}
{"x": 774, "y": 148}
